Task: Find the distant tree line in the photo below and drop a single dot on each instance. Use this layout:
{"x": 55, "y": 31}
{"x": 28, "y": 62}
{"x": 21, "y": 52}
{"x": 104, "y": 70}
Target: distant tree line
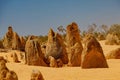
{"x": 102, "y": 30}
{"x": 97, "y": 31}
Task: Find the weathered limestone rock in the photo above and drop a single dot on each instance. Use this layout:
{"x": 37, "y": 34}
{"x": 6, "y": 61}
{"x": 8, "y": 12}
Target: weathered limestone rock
{"x": 43, "y": 48}
{"x": 55, "y": 47}
{"x": 53, "y": 62}
{"x": 1, "y": 44}
{"x": 11, "y": 40}
{"x": 92, "y": 55}
{"x": 59, "y": 63}
{"x": 34, "y": 55}
{"x": 6, "y": 74}
{"x": 15, "y": 57}
{"x": 115, "y": 54}
{"x": 16, "y": 43}
{"x": 23, "y": 42}
{"x": 11, "y": 75}
{"x": 74, "y": 44}
{"x": 7, "y": 41}
{"x": 36, "y": 75}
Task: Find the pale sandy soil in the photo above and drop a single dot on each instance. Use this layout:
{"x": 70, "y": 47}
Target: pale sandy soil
{"x": 108, "y": 48}
{"x": 71, "y": 73}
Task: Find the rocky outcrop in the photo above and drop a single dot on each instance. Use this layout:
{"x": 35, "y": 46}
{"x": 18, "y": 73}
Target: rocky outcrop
{"x": 92, "y": 55}
{"x": 15, "y": 57}
{"x": 55, "y": 63}
{"x": 23, "y": 42}
{"x": 74, "y": 46}
{"x": 36, "y": 75}
{"x": 7, "y": 41}
{"x": 43, "y": 48}
{"x": 16, "y": 43}
{"x": 1, "y": 44}
{"x": 34, "y": 55}
{"x": 55, "y": 47}
{"x": 115, "y": 54}
{"x": 11, "y": 40}
{"x": 5, "y": 73}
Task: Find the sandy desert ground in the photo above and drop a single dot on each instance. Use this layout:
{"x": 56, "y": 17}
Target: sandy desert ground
{"x": 71, "y": 73}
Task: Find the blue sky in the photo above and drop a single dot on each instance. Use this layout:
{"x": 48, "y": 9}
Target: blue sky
{"x": 37, "y": 16}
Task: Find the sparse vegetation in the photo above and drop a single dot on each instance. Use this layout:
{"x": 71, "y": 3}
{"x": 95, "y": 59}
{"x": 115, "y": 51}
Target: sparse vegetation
{"x": 61, "y": 29}
{"x": 115, "y": 29}
{"x": 100, "y": 32}
{"x": 42, "y": 39}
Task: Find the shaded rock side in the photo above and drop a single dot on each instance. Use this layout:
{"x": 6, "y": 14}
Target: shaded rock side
{"x": 115, "y": 54}
{"x": 23, "y": 42}
{"x": 15, "y": 57}
{"x": 16, "y": 43}
{"x": 54, "y": 62}
{"x": 92, "y": 55}
{"x": 5, "y": 73}
{"x": 36, "y": 75}
{"x": 74, "y": 46}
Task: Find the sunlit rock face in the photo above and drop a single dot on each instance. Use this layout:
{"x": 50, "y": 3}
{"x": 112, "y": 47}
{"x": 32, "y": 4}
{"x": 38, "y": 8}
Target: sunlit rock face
{"x": 12, "y": 40}
{"x": 74, "y": 46}
{"x": 34, "y": 55}
{"x": 55, "y": 47}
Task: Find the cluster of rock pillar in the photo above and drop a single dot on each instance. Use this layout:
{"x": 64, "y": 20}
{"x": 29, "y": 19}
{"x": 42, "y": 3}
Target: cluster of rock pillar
{"x": 58, "y": 51}
{"x": 12, "y": 40}
{"x": 70, "y": 52}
